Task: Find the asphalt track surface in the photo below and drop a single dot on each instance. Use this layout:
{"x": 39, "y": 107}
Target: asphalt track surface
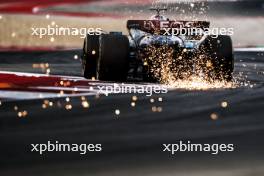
{"x": 132, "y": 142}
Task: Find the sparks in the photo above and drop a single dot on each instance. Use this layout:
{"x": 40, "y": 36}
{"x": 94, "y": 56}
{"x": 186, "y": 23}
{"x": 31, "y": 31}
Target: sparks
{"x": 75, "y": 57}
{"x": 224, "y": 104}
{"x": 134, "y": 98}
{"x": 214, "y": 116}
{"x": 133, "y": 104}
{"x": 22, "y": 114}
{"x": 85, "y": 104}
{"x": 68, "y": 107}
{"x": 117, "y": 112}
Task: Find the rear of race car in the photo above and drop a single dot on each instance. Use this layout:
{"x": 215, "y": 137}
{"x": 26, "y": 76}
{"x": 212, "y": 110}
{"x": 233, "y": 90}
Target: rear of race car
{"x": 158, "y": 49}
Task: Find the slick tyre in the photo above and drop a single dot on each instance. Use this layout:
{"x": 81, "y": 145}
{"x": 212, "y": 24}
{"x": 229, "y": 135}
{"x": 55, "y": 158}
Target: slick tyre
{"x": 112, "y": 62}
{"x": 90, "y": 55}
{"x": 220, "y": 53}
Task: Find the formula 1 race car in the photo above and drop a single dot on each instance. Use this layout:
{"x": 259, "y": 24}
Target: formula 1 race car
{"x": 152, "y": 51}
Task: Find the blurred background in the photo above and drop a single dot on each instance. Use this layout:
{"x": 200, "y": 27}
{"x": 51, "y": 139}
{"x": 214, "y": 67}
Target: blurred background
{"x": 18, "y": 17}
{"x": 132, "y": 139}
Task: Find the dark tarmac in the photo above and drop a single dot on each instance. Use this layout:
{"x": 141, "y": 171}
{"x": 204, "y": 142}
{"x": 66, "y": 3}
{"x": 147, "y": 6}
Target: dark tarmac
{"x": 132, "y": 142}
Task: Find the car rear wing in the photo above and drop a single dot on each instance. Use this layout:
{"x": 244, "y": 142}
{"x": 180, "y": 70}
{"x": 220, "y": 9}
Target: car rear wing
{"x": 151, "y": 26}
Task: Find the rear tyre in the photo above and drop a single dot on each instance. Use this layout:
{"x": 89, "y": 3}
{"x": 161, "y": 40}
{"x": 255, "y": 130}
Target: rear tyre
{"x": 219, "y": 52}
{"x": 112, "y": 62}
{"x": 90, "y": 55}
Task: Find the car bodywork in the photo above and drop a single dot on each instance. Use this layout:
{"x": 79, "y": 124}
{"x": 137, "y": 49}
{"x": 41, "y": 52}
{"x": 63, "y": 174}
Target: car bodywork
{"x": 185, "y": 54}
